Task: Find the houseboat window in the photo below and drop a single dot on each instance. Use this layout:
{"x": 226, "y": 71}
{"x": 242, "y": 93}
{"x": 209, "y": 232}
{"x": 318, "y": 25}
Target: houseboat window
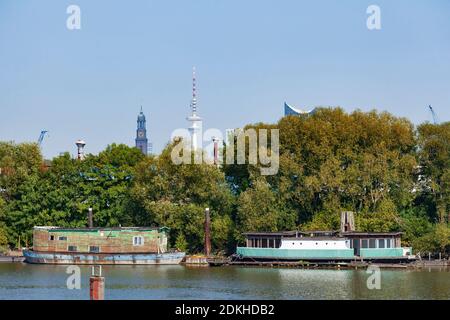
{"x": 52, "y": 237}
{"x": 94, "y": 249}
{"x": 62, "y": 238}
{"x": 364, "y": 243}
{"x": 277, "y": 243}
{"x": 380, "y": 243}
{"x": 264, "y": 243}
{"x": 138, "y": 241}
{"x": 72, "y": 248}
{"x": 388, "y": 243}
{"x": 372, "y": 243}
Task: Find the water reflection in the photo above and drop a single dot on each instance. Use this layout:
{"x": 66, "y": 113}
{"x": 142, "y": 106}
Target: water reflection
{"x": 22, "y": 281}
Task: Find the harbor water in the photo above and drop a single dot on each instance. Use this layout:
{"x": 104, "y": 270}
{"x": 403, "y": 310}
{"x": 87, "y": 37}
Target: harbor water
{"x": 22, "y": 281}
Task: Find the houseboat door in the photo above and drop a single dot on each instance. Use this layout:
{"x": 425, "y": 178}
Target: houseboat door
{"x": 356, "y": 246}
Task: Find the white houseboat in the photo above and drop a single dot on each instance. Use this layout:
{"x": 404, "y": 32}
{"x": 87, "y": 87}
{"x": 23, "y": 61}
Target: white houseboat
{"x": 343, "y": 245}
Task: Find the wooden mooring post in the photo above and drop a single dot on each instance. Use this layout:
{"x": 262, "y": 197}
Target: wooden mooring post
{"x": 207, "y": 233}
{"x": 97, "y": 284}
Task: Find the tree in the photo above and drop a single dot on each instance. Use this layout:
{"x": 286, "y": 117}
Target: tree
{"x": 331, "y": 160}
{"x": 18, "y": 162}
{"x": 62, "y": 194}
{"x": 3, "y": 232}
{"x": 434, "y": 157}
{"x": 436, "y": 241}
{"x": 177, "y": 195}
{"x": 120, "y": 156}
{"x": 259, "y": 209}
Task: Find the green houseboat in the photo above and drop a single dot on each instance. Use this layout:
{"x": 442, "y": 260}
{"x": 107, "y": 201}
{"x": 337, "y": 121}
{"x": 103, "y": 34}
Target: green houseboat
{"x": 138, "y": 245}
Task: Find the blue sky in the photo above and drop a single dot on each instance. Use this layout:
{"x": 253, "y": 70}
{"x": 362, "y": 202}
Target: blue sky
{"x": 250, "y": 57}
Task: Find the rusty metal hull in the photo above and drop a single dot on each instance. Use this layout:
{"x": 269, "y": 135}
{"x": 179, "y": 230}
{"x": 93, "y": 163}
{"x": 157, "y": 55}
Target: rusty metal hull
{"x": 103, "y": 258}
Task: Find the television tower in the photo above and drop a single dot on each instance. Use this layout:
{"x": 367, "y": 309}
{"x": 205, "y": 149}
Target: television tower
{"x": 196, "y": 121}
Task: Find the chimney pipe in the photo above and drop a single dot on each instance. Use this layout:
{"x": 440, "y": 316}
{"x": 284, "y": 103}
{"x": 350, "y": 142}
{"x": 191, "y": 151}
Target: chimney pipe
{"x": 216, "y": 150}
{"x": 90, "y": 221}
{"x": 347, "y": 221}
{"x": 207, "y": 233}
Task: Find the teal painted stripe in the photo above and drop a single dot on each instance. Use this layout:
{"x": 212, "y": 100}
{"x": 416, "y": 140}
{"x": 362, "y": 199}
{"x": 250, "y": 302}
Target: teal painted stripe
{"x": 294, "y": 253}
{"x": 380, "y": 253}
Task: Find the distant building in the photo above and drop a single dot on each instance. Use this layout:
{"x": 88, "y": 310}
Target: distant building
{"x": 290, "y": 110}
{"x": 141, "y": 134}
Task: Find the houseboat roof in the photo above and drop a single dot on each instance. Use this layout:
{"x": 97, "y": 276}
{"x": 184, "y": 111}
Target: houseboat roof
{"x": 358, "y": 233}
{"x": 54, "y": 228}
{"x": 279, "y": 233}
{"x": 316, "y": 238}
{"x": 323, "y": 232}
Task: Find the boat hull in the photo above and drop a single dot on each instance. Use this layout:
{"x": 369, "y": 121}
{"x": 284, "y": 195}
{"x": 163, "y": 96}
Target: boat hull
{"x": 277, "y": 254}
{"x": 103, "y": 258}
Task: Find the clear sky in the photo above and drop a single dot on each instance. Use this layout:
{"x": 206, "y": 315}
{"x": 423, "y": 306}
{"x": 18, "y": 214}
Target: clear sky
{"x": 250, "y": 57}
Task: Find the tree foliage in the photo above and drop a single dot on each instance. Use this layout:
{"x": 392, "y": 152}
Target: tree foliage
{"x": 394, "y": 176}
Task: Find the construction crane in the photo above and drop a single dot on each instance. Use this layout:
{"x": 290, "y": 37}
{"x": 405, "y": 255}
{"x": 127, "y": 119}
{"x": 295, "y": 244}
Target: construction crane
{"x": 433, "y": 114}
{"x": 41, "y": 137}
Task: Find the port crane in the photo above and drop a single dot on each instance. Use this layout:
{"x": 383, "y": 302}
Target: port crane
{"x": 435, "y": 120}
{"x": 42, "y": 136}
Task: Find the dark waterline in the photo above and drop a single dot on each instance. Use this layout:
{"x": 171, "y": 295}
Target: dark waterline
{"x": 24, "y": 282}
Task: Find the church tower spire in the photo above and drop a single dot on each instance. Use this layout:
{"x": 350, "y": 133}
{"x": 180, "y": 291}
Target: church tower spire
{"x": 141, "y": 133}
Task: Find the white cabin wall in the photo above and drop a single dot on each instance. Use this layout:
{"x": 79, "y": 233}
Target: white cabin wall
{"x": 314, "y": 244}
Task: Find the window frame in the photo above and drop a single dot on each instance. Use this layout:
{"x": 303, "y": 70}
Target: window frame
{"x": 138, "y": 243}
{"x": 94, "y": 251}
{"x": 389, "y": 243}
{"x": 366, "y": 242}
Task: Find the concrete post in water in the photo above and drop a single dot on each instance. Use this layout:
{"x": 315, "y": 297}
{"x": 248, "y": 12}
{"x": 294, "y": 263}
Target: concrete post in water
{"x": 90, "y": 219}
{"x": 97, "y": 284}
{"x": 207, "y": 233}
